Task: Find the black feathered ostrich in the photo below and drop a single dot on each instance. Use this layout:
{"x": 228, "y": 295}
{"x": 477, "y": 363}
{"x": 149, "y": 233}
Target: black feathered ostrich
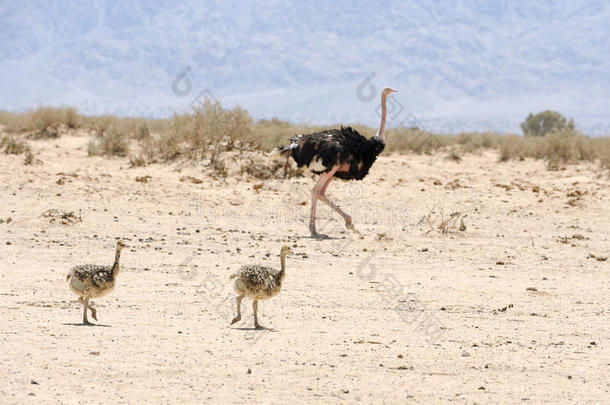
{"x": 342, "y": 153}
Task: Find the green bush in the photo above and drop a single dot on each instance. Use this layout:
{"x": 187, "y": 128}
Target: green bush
{"x": 546, "y": 122}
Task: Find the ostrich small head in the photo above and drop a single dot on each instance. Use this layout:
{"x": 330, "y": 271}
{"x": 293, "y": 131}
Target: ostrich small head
{"x": 120, "y": 245}
{"x": 285, "y": 250}
{"x": 389, "y": 90}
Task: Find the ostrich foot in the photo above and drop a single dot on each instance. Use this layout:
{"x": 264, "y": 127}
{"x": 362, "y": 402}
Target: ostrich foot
{"x": 315, "y": 234}
{"x": 93, "y": 313}
{"x": 350, "y": 225}
{"x": 258, "y": 326}
{"x": 236, "y": 319}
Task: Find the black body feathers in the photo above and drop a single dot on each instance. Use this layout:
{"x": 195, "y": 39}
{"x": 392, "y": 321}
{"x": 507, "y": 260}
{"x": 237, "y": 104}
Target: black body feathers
{"x": 321, "y": 151}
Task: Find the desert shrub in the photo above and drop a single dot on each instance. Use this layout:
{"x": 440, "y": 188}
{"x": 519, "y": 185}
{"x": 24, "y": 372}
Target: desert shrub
{"x": 473, "y": 141}
{"x": 601, "y": 146}
{"x": 13, "y": 146}
{"x": 585, "y": 148}
{"x": 13, "y": 122}
{"x": 415, "y": 140}
{"x": 560, "y": 148}
{"x": 545, "y": 122}
{"x": 44, "y": 122}
{"x": 143, "y": 131}
{"x": 273, "y": 132}
{"x": 604, "y": 158}
{"x": 99, "y": 123}
{"x": 511, "y": 147}
{"x": 45, "y": 118}
{"x": 110, "y": 143}
{"x": 72, "y": 118}
{"x": 206, "y": 132}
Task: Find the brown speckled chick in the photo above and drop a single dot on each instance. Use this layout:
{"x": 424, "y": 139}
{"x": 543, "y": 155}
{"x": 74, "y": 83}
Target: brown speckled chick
{"x": 258, "y": 283}
{"x": 93, "y": 281}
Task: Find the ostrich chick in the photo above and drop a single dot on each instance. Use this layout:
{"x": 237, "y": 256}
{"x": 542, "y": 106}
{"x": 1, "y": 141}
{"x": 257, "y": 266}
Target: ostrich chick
{"x": 258, "y": 283}
{"x": 92, "y": 281}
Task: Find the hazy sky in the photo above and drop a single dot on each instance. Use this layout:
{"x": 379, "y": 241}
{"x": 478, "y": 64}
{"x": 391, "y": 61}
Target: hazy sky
{"x": 459, "y": 65}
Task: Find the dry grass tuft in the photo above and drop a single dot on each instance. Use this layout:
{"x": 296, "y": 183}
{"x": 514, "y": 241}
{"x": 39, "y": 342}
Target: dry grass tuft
{"x": 59, "y": 216}
{"x": 453, "y": 155}
{"x": 438, "y": 223}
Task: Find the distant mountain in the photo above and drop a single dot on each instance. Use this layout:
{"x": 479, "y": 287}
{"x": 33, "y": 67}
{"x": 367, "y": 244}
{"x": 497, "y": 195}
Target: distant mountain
{"x": 459, "y": 65}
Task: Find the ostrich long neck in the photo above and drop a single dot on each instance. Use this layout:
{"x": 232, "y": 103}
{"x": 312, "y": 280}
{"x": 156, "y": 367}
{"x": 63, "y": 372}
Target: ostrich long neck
{"x": 283, "y": 266}
{"x": 115, "y": 266}
{"x": 381, "y": 132}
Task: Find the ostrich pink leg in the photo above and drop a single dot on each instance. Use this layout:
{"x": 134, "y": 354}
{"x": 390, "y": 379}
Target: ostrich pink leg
{"x": 348, "y": 219}
{"x": 315, "y": 195}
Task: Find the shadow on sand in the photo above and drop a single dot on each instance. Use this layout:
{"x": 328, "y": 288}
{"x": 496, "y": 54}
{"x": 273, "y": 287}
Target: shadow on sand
{"x": 88, "y": 324}
{"x": 263, "y": 329}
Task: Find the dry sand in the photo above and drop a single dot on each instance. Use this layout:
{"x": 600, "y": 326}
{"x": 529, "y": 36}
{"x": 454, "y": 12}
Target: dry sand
{"x": 514, "y": 309}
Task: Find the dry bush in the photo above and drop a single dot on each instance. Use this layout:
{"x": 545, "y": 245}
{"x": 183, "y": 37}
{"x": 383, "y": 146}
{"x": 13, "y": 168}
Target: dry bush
{"x": 207, "y": 132}
{"x": 603, "y": 152}
{"x": 471, "y": 142}
{"x": 560, "y": 149}
{"x": 14, "y": 122}
{"x": 110, "y": 143}
{"x": 99, "y": 123}
{"x": 44, "y": 122}
{"x": 511, "y": 147}
{"x": 585, "y": 148}
{"x": 273, "y": 132}
{"x": 262, "y": 168}
{"x": 72, "y": 119}
{"x": 415, "y": 140}
{"x": 146, "y": 153}
{"x": 13, "y": 146}
{"x": 47, "y": 120}
{"x": 604, "y": 159}
{"x": 557, "y": 148}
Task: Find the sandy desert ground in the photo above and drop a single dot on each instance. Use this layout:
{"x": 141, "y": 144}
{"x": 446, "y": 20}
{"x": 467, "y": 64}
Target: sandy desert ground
{"x": 513, "y": 309}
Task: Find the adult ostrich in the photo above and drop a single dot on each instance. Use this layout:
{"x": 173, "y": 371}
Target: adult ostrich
{"x": 342, "y": 153}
